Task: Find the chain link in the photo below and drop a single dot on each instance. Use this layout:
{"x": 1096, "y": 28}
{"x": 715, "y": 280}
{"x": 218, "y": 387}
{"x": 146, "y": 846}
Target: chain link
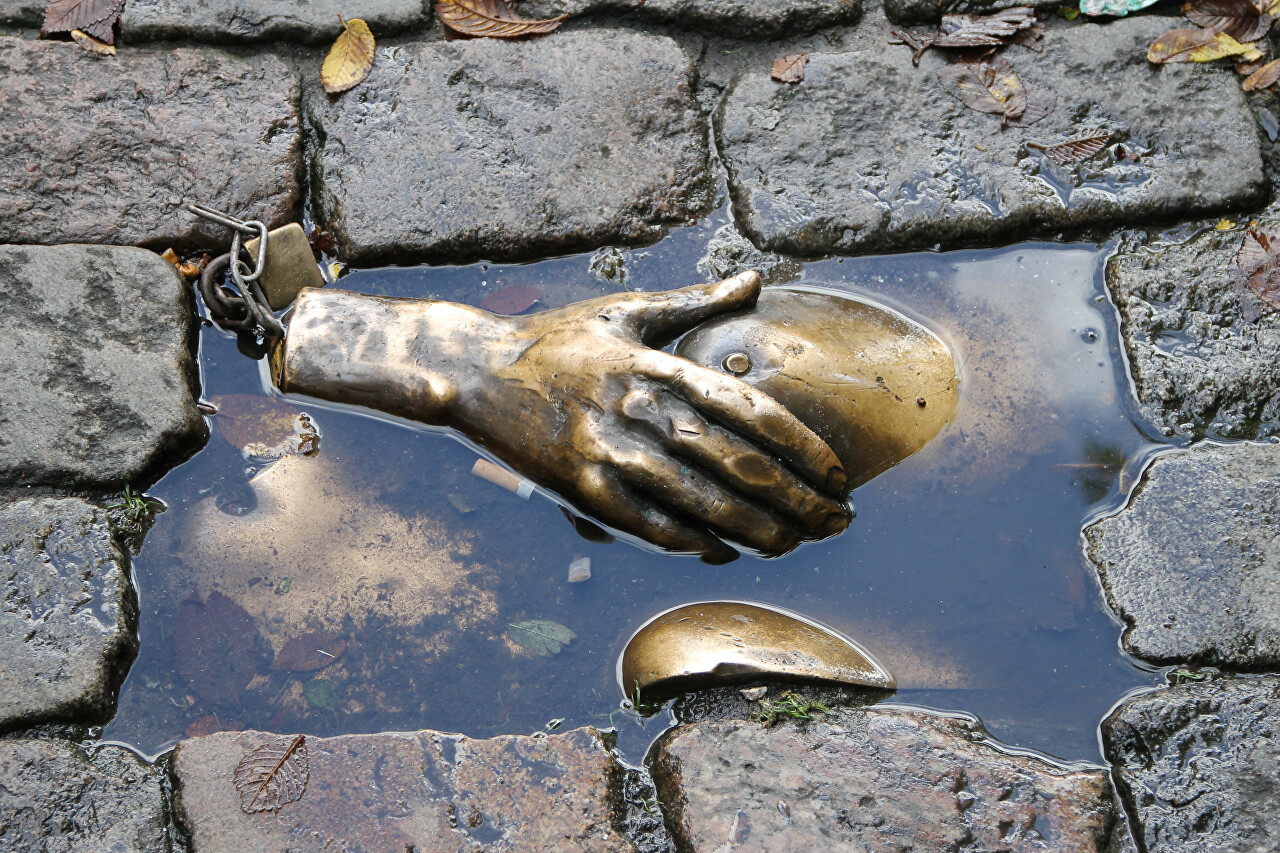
{"x": 244, "y": 309}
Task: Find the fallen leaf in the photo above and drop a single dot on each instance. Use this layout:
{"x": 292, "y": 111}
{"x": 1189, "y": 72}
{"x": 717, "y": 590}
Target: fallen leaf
{"x": 273, "y": 774}
{"x": 789, "y": 68}
{"x": 1041, "y": 101}
{"x": 512, "y": 300}
{"x": 1248, "y": 66}
{"x": 265, "y": 427}
{"x": 1192, "y": 45}
{"x": 310, "y": 652}
{"x": 1256, "y": 266}
{"x": 1224, "y": 225}
{"x": 988, "y": 86}
{"x": 960, "y": 31}
{"x": 540, "y": 636}
{"x": 1070, "y": 13}
{"x": 491, "y": 19}
{"x": 91, "y": 44}
{"x": 1264, "y": 78}
{"x": 322, "y": 243}
{"x": 216, "y": 648}
{"x": 210, "y": 724}
{"x": 187, "y": 269}
{"x": 96, "y": 18}
{"x": 321, "y": 694}
{"x": 1082, "y": 145}
{"x": 350, "y": 58}
{"x": 1032, "y": 37}
{"x": 1239, "y": 19}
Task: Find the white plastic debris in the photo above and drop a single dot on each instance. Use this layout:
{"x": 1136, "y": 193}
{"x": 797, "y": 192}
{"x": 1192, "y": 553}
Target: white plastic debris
{"x": 580, "y": 570}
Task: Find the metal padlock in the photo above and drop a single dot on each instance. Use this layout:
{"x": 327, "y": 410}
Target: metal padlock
{"x": 288, "y": 267}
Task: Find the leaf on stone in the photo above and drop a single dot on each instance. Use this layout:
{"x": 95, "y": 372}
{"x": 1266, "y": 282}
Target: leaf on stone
{"x": 273, "y": 774}
{"x": 91, "y": 44}
{"x": 96, "y": 18}
{"x": 988, "y": 86}
{"x": 310, "y": 652}
{"x": 350, "y": 58}
{"x": 1264, "y": 78}
{"x": 1248, "y": 66}
{"x": 540, "y": 636}
{"x": 980, "y": 30}
{"x": 1082, "y": 145}
{"x": 216, "y": 648}
{"x": 210, "y": 724}
{"x": 1041, "y": 101}
{"x": 1256, "y": 266}
{"x": 789, "y": 68}
{"x": 1032, "y": 37}
{"x": 491, "y": 19}
{"x": 512, "y": 300}
{"x": 1194, "y": 45}
{"x": 265, "y": 427}
{"x": 1239, "y": 19}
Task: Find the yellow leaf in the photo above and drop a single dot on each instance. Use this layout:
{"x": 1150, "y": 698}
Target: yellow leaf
{"x": 491, "y": 19}
{"x": 1196, "y": 45}
{"x": 1264, "y": 78}
{"x": 1224, "y": 225}
{"x": 350, "y": 59}
{"x": 92, "y": 44}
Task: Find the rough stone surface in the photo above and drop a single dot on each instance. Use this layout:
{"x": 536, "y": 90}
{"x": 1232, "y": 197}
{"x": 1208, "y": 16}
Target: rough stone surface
{"x": 1192, "y": 565}
{"x": 1198, "y": 766}
{"x": 875, "y": 779}
{"x": 27, "y": 13}
{"x": 429, "y": 792}
{"x": 58, "y": 798}
{"x": 916, "y": 11}
{"x": 98, "y": 382}
{"x": 109, "y": 150}
{"x": 869, "y": 154}
{"x": 67, "y": 615}
{"x": 264, "y": 20}
{"x": 746, "y": 19}
{"x": 1199, "y": 365}
{"x": 483, "y": 149}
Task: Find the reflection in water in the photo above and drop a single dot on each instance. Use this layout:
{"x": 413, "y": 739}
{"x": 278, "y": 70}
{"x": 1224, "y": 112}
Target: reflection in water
{"x": 962, "y": 571}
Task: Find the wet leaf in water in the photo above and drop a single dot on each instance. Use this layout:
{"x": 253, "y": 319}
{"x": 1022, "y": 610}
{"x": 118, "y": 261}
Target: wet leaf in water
{"x": 1239, "y": 19}
{"x": 1041, "y": 101}
{"x": 988, "y": 86}
{"x": 350, "y": 59}
{"x": 216, "y": 648}
{"x": 1084, "y": 144}
{"x": 210, "y": 724}
{"x": 1264, "y": 78}
{"x": 540, "y": 636}
{"x": 310, "y": 652}
{"x": 91, "y": 44}
{"x": 265, "y": 427}
{"x": 322, "y": 243}
{"x": 512, "y": 300}
{"x": 1192, "y": 45}
{"x": 96, "y": 18}
{"x": 491, "y": 19}
{"x": 273, "y": 774}
{"x": 1256, "y": 266}
{"x": 789, "y": 68}
{"x": 321, "y": 694}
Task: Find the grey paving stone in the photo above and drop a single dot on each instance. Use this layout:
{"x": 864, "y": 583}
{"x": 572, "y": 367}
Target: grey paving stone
{"x": 60, "y": 798}
{"x": 874, "y": 779}
{"x": 102, "y": 150}
{"x": 869, "y": 154}
{"x": 219, "y": 21}
{"x": 67, "y": 615}
{"x": 428, "y": 792}
{"x": 746, "y": 19}
{"x": 1200, "y": 367}
{"x": 483, "y": 149}
{"x": 1193, "y": 564}
{"x": 1198, "y": 766}
{"x": 27, "y": 13}
{"x": 98, "y": 380}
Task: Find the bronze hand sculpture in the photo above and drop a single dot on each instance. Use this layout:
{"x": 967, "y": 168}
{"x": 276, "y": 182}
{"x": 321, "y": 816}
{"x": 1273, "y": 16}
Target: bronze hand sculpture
{"x": 583, "y": 401}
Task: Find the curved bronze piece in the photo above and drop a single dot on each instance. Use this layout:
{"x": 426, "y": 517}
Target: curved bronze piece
{"x": 723, "y": 642}
{"x": 581, "y": 401}
{"x": 873, "y": 384}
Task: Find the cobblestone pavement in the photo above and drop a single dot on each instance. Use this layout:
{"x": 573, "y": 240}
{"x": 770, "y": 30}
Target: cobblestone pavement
{"x": 606, "y": 133}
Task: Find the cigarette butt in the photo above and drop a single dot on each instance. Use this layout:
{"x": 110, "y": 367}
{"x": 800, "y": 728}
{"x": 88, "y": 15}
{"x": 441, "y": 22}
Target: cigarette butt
{"x": 580, "y": 570}
{"x": 499, "y": 476}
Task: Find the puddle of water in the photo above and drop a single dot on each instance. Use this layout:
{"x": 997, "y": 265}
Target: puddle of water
{"x": 962, "y": 572}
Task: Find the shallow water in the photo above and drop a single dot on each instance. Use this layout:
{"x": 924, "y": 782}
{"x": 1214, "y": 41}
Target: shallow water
{"x": 962, "y": 571}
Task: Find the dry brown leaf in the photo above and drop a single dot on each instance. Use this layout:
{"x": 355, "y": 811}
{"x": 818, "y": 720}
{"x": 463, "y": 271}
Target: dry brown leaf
{"x": 1041, "y": 101}
{"x": 1032, "y": 37}
{"x": 789, "y": 68}
{"x": 1192, "y": 45}
{"x": 310, "y": 652}
{"x": 350, "y": 58}
{"x": 969, "y": 31}
{"x": 512, "y": 300}
{"x": 211, "y": 724}
{"x": 91, "y": 44}
{"x": 1239, "y": 19}
{"x": 1248, "y": 66}
{"x": 96, "y": 18}
{"x": 273, "y": 774}
{"x": 1263, "y": 78}
{"x": 989, "y": 86}
{"x": 1256, "y": 267}
{"x": 491, "y": 19}
{"x": 1082, "y": 145}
